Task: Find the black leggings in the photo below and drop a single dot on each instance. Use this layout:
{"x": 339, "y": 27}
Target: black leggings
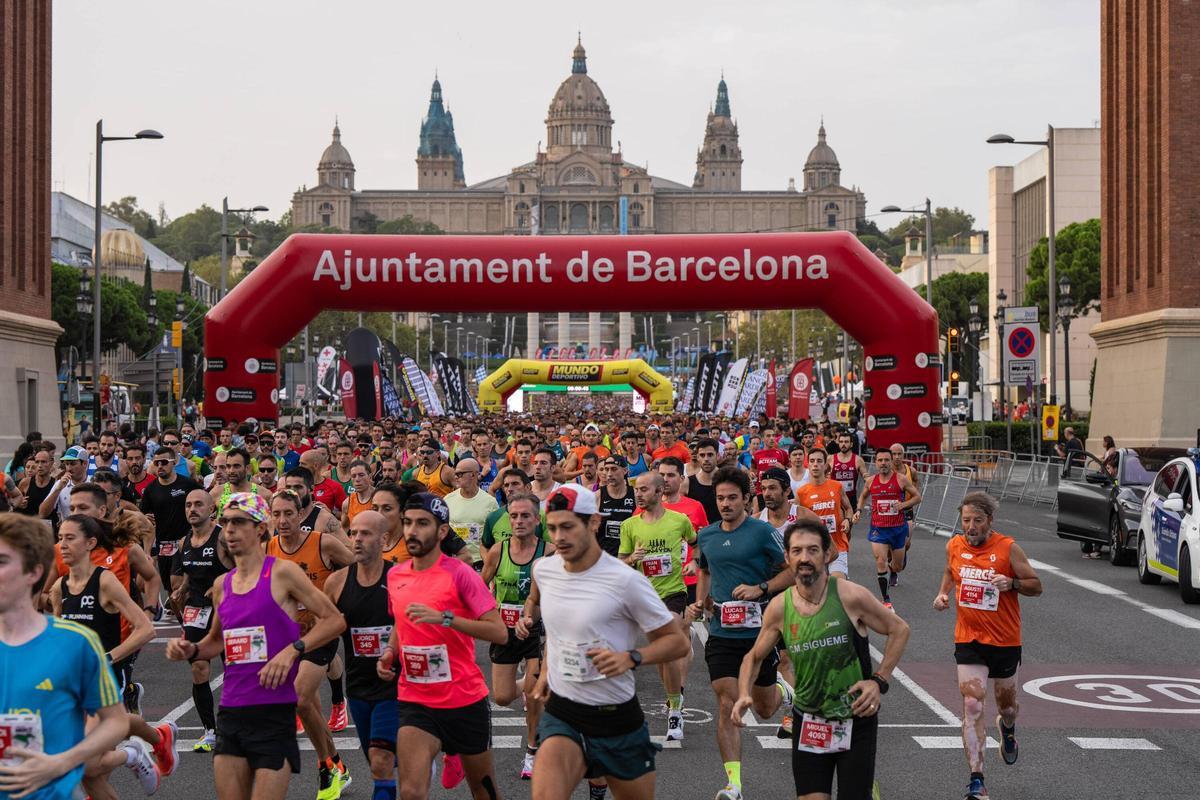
{"x": 855, "y": 767}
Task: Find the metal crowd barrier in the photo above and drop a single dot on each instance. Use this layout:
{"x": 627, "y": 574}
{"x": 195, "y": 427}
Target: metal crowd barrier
{"x": 942, "y": 491}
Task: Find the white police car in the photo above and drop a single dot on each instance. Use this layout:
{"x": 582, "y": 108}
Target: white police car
{"x": 1169, "y": 532}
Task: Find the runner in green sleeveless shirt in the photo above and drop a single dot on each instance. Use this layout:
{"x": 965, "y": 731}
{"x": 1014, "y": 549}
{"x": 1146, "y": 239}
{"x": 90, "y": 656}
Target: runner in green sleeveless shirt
{"x": 508, "y": 569}
{"x": 823, "y": 622}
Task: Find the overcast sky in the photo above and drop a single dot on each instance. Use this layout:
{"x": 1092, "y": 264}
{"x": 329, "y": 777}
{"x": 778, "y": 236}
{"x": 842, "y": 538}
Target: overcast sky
{"x": 246, "y": 93}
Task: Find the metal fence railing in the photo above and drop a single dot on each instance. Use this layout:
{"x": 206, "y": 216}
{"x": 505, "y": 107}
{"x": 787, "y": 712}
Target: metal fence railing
{"x": 942, "y": 490}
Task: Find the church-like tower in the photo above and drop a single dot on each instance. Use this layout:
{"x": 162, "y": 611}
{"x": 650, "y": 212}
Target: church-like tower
{"x": 579, "y": 119}
{"x": 821, "y": 169}
{"x": 335, "y": 168}
{"x": 719, "y": 160}
{"x": 439, "y": 158}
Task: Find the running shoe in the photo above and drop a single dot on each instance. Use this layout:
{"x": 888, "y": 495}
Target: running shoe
{"x": 976, "y": 790}
{"x": 527, "y": 767}
{"x": 205, "y": 743}
{"x": 674, "y": 726}
{"x": 299, "y": 725}
{"x": 730, "y": 792}
{"x": 143, "y": 765}
{"x": 786, "y": 692}
{"x": 133, "y": 698}
{"x": 1008, "y": 741}
{"x": 328, "y": 786}
{"x": 784, "y": 731}
{"x": 164, "y": 751}
{"x": 337, "y": 718}
{"x": 452, "y": 772}
{"x": 343, "y": 777}
{"x": 893, "y": 579}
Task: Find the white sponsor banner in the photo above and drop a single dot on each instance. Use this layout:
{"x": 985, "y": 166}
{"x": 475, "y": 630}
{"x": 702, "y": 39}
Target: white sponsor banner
{"x": 751, "y": 389}
{"x": 732, "y": 387}
{"x": 324, "y": 361}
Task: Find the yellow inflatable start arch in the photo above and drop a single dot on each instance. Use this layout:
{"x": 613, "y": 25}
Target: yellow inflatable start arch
{"x": 517, "y": 372}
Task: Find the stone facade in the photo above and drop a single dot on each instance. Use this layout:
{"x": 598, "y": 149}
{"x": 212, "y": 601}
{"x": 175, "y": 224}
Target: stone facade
{"x": 28, "y": 379}
{"x": 1148, "y": 376}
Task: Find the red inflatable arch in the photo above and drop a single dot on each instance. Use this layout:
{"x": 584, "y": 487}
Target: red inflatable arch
{"x": 830, "y": 271}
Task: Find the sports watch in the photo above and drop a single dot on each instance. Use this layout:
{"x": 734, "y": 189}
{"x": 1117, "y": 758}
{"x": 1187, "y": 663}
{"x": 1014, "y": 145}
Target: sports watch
{"x": 447, "y": 618}
{"x": 636, "y": 657}
{"x": 299, "y": 646}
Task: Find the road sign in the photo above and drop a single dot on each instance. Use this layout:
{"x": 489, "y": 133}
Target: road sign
{"x": 1050, "y": 423}
{"x": 1022, "y": 353}
{"x": 1017, "y": 314}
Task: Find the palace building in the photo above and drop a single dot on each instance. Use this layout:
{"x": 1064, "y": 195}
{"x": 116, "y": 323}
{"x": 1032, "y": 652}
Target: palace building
{"x": 581, "y": 184}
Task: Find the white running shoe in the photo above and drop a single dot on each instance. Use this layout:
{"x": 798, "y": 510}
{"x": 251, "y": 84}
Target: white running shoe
{"x": 730, "y": 792}
{"x": 143, "y": 765}
{"x": 527, "y": 767}
{"x": 674, "y": 726}
{"x": 205, "y": 743}
{"x": 786, "y": 692}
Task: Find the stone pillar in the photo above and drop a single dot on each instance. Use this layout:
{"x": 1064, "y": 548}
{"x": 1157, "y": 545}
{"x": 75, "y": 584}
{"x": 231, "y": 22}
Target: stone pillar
{"x": 593, "y": 331}
{"x": 564, "y": 329}
{"x": 533, "y": 333}
{"x": 625, "y": 331}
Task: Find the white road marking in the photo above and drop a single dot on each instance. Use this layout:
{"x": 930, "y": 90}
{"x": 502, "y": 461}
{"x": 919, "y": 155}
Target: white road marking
{"x": 947, "y": 742}
{"x": 1092, "y": 743}
{"x": 771, "y": 743}
{"x": 701, "y": 631}
{"x": 187, "y": 705}
{"x": 1174, "y": 617}
{"x": 662, "y": 742}
{"x": 944, "y": 714}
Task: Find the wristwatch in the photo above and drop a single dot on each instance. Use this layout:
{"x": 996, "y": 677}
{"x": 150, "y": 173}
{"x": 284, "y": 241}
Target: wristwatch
{"x": 447, "y": 618}
{"x": 764, "y": 588}
{"x": 883, "y": 684}
{"x": 636, "y": 657}
{"x": 298, "y": 645}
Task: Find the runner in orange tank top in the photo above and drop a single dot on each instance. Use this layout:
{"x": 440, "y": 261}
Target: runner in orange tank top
{"x": 827, "y": 499}
{"x": 986, "y": 571}
{"x": 388, "y": 499}
{"x": 432, "y": 471}
{"x": 360, "y": 496}
{"x": 318, "y": 556}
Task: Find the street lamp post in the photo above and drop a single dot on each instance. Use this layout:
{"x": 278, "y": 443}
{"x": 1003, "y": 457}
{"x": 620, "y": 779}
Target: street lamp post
{"x": 674, "y": 348}
{"x": 225, "y": 211}
{"x": 458, "y": 342}
{"x": 792, "y": 348}
{"x": 975, "y": 325}
{"x": 696, "y": 331}
{"x": 842, "y": 365}
{"x": 152, "y": 321}
{"x": 1001, "y": 297}
{"x": 180, "y": 308}
{"x": 1051, "y": 277}
{"x": 708, "y": 329}
{"x": 98, "y": 257}
{"x": 724, "y": 340}
{"x": 1066, "y": 305}
{"x": 445, "y": 338}
{"x": 758, "y": 338}
{"x": 928, "y": 212}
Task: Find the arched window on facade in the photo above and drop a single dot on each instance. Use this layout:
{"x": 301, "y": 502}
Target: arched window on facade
{"x": 831, "y": 215}
{"x": 521, "y": 214}
{"x": 636, "y": 212}
{"x": 578, "y": 220}
{"x": 326, "y": 214}
{"x": 549, "y": 219}
{"x": 722, "y": 150}
{"x": 607, "y": 218}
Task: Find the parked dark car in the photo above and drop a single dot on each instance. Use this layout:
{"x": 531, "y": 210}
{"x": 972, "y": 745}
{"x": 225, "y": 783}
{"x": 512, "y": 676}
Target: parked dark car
{"x": 1099, "y": 507}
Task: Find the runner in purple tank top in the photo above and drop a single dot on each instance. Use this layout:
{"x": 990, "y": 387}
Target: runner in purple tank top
{"x": 256, "y": 630}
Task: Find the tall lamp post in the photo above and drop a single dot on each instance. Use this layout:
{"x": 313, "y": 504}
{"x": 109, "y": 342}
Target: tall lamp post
{"x": 1066, "y": 305}
{"x": 1051, "y": 276}
{"x": 445, "y": 338}
{"x": 180, "y": 308}
{"x": 928, "y": 212}
{"x": 225, "y": 212}
{"x": 98, "y": 257}
{"x": 1001, "y": 297}
{"x": 708, "y": 330}
{"x": 724, "y": 340}
{"x": 696, "y": 339}
{"x": 458, "y": 341}
{"x": 83, "y": 304}
{"x": 842, "y": 365}
{"x": 152, "y": 321}
{"x": 975, "y": 325}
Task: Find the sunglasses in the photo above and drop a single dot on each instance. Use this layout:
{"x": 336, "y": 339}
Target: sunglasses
{"x": 161, "y": 462}
{"x": 266, "y": 469}
{"x": 464, "y": 474}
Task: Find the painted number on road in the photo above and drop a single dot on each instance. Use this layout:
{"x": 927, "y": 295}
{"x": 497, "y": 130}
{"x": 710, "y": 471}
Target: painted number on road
{"x": 1151, "y": 694}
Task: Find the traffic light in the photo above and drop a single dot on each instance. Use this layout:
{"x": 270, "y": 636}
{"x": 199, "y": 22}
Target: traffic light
{"x": 953, "y": 340}
{"x": 953, "y": 383}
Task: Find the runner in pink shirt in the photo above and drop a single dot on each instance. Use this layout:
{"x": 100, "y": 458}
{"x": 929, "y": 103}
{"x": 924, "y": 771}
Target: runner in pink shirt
{"x": 441, "y": 606}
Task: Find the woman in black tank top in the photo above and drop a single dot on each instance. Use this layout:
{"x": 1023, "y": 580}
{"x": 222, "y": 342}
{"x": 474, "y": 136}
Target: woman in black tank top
{"x": 87, "y": 608}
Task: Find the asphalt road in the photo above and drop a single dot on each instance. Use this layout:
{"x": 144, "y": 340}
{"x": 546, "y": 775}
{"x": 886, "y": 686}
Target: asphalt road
{"x": 1110, "y": 702}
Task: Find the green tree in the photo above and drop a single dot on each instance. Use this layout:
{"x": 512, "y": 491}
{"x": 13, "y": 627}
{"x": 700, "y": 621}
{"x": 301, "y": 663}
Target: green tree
{"x": 408, "y": 225}
{"x": 193, "y": 235}
{"x": 185, "y": 284}
{"x": 946, "y": 223}
{"x": 1076, "y": 256}
{"x": 147, "y": 286}
{"x": 952, "y": 294}
{"x": 366, "y": 222}
{"x": 811, "y": 326}
{"x": 122, "y": 318}
{"x": 127, "y": 209}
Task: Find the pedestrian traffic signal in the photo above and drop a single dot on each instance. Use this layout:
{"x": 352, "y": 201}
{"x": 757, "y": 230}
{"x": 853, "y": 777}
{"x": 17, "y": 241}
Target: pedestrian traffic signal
{"x": 953, "y": 340}
{"x": 953, "y": 383}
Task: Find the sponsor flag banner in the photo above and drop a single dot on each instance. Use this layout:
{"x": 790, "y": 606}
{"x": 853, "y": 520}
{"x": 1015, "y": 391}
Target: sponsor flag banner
{"x": 772, "y": 405}
{"x": 800, "y": 389}
{"x": 697, "y": 383}
{"x": 751, "y": 388}
{"x": 392, "y": 406}
{"x": 732, "y": 387}
{"x": 759, "y": 406}
{"x": 1050, "y": 416}
{"x": 420, "y": 388}
{"x": 377, "y": 385}
{"x": 324, "y": 361}
{"x": 480, "y": 374}
{"x": 720, "y": 370}
{"x": 346, "y": 387}
{"x": 685, "y": 402}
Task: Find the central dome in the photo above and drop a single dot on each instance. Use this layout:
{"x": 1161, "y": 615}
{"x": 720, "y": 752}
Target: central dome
{"x": 579, "y": 117}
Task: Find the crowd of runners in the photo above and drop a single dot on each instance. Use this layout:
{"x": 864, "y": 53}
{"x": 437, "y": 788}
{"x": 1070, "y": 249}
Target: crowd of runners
{"x": 371, "y": 557}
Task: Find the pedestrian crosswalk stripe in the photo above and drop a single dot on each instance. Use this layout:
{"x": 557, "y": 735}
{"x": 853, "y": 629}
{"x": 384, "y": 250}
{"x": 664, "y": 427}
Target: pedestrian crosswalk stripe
{"x": 946, "y": 742}
{"x": 773, "y": 743}
{"x": 1101, "y": 743}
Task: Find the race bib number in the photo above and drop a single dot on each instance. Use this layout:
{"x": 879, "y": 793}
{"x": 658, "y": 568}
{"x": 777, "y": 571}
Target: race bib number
{"x": 510, "y": 613}
{"x": 741, "y": 614}
{"x": 612, "y": 529}
{"x": 654, "y": 566}
{"x": 831, "y": 522}
{"x": 980, "y": 595}
{"x": 574, "y": 664}
{"x": 820, "y": 735}
{"x": 196, "y": 616}
{"x": 168, "y": 548}
{"x": 429, "y": 664}
{"x": 472, "y": 532}
{"x": 19, "y": 730}
{"x": 369, "y": 642}
{"x": 888, "y": 507}
{"x": 246, "y": 645}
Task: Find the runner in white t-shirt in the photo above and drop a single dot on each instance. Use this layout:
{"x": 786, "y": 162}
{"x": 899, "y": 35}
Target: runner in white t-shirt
{"x": 593, "y": 608}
